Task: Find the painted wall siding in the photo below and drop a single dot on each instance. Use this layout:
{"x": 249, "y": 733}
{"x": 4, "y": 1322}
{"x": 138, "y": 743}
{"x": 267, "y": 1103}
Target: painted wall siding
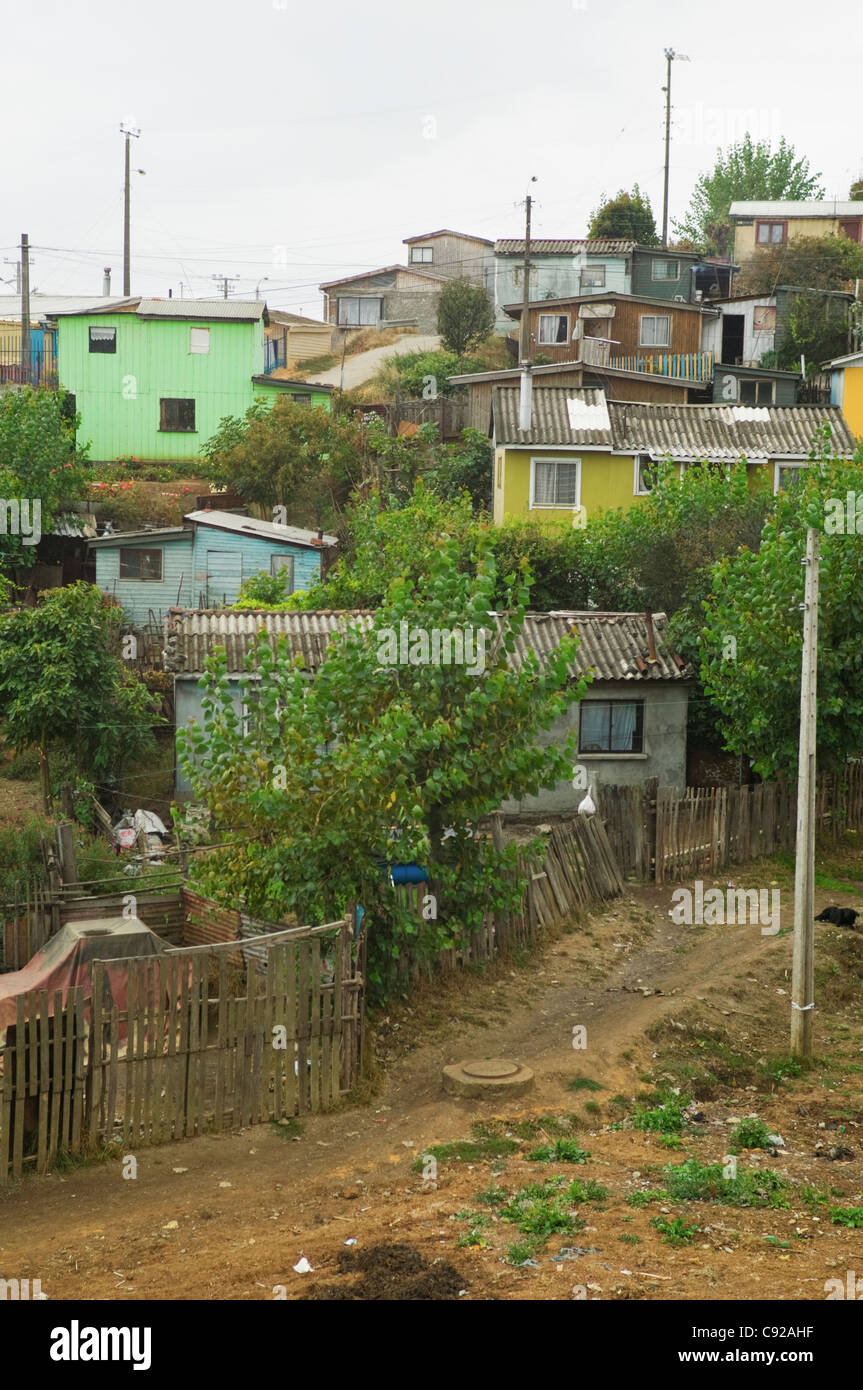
{"x": 554, "y": 277}
{"x": 847, "y": 392}
{"x": 745, "y": 245}
{"x": 268, "y": 393}
{"x": 118, "y": 394}
{"x": 188, "y": 696}
{"x": 607, "y": 482}
{"x": 784, "y": 392}
{"x": 253, "y": 555}
{"x": 644, "y": 283}
{"x": 137, "y": 596}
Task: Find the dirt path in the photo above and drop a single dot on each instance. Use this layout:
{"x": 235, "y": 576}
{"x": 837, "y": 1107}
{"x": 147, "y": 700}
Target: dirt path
{"x": 228, "y": 1216}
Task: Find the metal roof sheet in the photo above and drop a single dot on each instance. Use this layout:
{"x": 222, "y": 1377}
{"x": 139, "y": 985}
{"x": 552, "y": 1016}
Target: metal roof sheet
{"x": 52, "y": 305}
{"x": 565, "y": 246}
{"x": 560, "y": 415}
{"x": 614, "y": 646}
{"x": 790, "y": 208}
{"x": 447, "y": 231}
{"x": 265, "y": 530}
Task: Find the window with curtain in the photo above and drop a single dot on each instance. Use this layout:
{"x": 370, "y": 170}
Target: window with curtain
{"x": 655, "y": 330}
{"x": 553, "y": 328}
{"x": 555, "y": 482}
{"x": 611, "y": 726}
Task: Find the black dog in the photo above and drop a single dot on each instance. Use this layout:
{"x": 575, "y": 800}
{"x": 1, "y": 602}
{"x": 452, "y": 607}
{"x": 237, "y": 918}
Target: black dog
{"x": 839, "y": 916}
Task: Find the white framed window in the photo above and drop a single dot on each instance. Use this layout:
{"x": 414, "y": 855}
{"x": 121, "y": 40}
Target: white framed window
{"x": 654, "y": 330}
{"x": 279, "y": 563}
{"x": 422, "y": 255}
{"x": 644, "y": 475}
{"x": 359, "y": 311}
{"x": 555, "y": 483}
{"x": 199, "y": 340}
{"x": 785, "y": 475}
{"x": 664, "y": 270}
{"x": 593, "y": 277}
{"x": 553, "y": 328}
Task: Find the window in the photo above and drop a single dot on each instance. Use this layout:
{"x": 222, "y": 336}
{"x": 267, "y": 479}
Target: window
{"x": 665, "y": 270}
{"x": 279, "y": 563}
{"x": 611, "y": 726}
{"x": 176, "y": 416}
{"x": 103, "y": 340}
{"x": 359, "y": 311}
{"x": 554, "y": 482}
{"x": 301, "y": 397}
{"x": 645, "y": 474}
{"x": 422, "y": 255}
{"x": 199, "y": 340}
{"x": 593, "y": 277}
{"x": 770, "y": 233}
{"x": 755, "y": 392}
{"x": 554, "y": 328}
{"x": 764, "y": 318}
{"x": 785, "y": 475}
{"x": 655, "y": 330}
{"x": 140, "y": 564}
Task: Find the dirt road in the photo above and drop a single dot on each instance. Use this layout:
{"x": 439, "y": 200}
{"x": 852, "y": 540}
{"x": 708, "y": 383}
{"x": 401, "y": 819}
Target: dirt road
{"x": 228, "y": 1217}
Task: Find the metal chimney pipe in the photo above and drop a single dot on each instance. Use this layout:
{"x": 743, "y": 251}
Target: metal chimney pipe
{"x": 525, "y": 401}
{"x": 106, "y": 280}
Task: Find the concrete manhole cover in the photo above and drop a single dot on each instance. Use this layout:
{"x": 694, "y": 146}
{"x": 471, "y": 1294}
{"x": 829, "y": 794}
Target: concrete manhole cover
{"x": 495, "y": 1076}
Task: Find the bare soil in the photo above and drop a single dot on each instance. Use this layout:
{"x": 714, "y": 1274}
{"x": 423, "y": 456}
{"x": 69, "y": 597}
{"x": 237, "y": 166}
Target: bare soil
{"x": 703, "y": 1008}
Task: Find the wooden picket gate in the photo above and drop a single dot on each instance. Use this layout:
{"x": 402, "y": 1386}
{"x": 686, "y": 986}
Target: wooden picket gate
{"x": 210, "y": 1039}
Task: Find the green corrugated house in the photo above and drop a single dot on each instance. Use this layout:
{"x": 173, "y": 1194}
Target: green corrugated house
{"x": 152, "y": 378}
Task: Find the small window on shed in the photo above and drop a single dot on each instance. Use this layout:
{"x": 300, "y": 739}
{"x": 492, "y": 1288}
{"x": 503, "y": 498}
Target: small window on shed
{"x": 764, "y": 318}
{"x": 199, "y": 340}
{"x": 281, "y": 563}
{"x": 301, "y": 397}
{"x": 140, "y": 563}
{"x": 103, "y": 339}
{"x": 422, "y": 255}
{"x": 756, "y": 392}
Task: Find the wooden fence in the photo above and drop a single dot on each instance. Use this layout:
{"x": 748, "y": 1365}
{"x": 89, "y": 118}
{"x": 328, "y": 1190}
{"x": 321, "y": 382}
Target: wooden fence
{"x": 188, "y": 1042}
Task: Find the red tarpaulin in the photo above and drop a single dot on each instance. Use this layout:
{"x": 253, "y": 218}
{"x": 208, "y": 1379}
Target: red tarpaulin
{"x": 67, "y": 960}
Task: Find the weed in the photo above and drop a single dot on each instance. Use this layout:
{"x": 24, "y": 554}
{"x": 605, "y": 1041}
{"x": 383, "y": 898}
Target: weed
{"x": 561, "y": 1151}
{"x": 847, "y": 1216}
{"x": 629, "y": 1238}
{"x": 289, "y": 1128}
{"x": 540, "y": 1209}
{"x": 643, "y": 1199}
{"x": 465, "y": 1151}
{"x": 666, "y": 1118}
{"x": 693, "y": 1181}
{"x": 584, "y": 1083}
{"x": 586, "y": 1191}
{"x": 750, "y": 1134}
{"x": 491, "y": 1196}
{"x": 675, "y": 1231}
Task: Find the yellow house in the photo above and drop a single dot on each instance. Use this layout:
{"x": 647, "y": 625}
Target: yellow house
{"x": 562, "y": 455}
{"x": 846, "y": 389}
{"x": 759, "y": 225}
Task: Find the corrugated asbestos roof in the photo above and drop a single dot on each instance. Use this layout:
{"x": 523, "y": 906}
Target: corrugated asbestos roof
{"x": 247, "y": 310}
{"x": 553, "y": 423}
{"x": 615, "y": 646}
{"x": 565, "y": 246}
{"x": 264, "y": 530}
{"x": 723, "y": 433}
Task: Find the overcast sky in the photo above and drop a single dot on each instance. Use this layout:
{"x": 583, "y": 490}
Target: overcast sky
{"x": 302, "y": 142}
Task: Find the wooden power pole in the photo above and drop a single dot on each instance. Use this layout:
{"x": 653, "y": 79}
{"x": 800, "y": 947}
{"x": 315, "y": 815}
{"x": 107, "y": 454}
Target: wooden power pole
{"x": 803, "y": 968}
{"x": 525, "y": 299}
{"x": 26, "y": 353}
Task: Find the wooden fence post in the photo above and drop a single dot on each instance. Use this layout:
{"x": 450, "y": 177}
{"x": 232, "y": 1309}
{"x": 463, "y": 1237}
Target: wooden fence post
{"x": 649, "y": 817}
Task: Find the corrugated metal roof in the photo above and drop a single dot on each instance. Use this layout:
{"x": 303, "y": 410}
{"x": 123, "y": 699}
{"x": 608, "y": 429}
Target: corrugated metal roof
{"x": 246, "y": 310}
{"x": 615, "y": 646}
{"x": 552, "y": 422}
{"x": 382, "y": 270}
{"x": 726, "y": 432}
{"x": 447, "y": 231}
{"x": 50, "y": 305}
{"x": 296, "y": 320}
{"x": 266, "y": 530}
{"x": 790, "y": 208}
{"x": 565, "y": 246}
{"x": 723, "y": 433}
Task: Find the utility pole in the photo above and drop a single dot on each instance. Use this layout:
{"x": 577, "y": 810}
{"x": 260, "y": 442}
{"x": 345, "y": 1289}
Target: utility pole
{"x": 26, "y": 354}
{"x": 670, "y": 56}
{"x": 131, "y": 132}
{"x": 225, "y": 280}
{"x": 803, "y": 966}
{"x": 525, "y": 299}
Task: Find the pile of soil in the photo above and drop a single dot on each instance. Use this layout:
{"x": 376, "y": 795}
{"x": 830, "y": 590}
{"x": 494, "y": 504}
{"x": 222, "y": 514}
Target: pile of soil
{"x": 392, "y": 1274}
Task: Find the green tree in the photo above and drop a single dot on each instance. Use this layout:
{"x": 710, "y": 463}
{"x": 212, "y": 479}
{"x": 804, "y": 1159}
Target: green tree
{"x": 64, "y": 686}
{"x": 746, "y": 171}
{"x": 465, "y": 315}
{"x": 467, "y": 466}
{"x": 752, "y": 638}
{"x": 38, "y": 466}
{"x": 290, "y": 455}
{"x": 376, "y": 760}
{"x": 627, "y": 215}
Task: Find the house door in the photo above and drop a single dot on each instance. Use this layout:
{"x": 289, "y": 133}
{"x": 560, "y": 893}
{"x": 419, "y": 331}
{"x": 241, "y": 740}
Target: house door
{"x": 732, "y": 338}
{"x": 224, "y": 577}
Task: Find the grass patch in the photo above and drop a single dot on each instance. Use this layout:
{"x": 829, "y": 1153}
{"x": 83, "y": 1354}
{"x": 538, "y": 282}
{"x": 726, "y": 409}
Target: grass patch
{"x": 289, "y": 1128}
{"x": 583, "y": 1083}
{"x": 665, "y": 1118}
{"x": 693, "y": 1181}
{"x": 561, "y": 1151}
{"x": 847, "y": 1216}
{"x": 542, "y": 1209}
{"x": 629, "y": 1238}
{"x": 465, "y": 1151}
